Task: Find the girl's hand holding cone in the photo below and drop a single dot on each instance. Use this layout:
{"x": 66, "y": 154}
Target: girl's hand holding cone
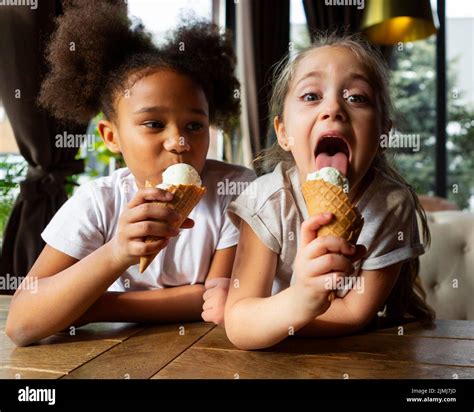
{"x": 184, "y": 199}
{"x": 320, "y": 263}
{"x": 144, "y": 218}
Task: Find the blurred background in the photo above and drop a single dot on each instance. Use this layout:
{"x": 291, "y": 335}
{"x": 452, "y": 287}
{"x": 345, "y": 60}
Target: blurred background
{"x": 429, "y": 46}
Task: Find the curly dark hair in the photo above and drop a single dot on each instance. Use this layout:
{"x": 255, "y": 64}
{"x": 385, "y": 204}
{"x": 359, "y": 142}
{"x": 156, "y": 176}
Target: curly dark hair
{"x": 96, "y": 53}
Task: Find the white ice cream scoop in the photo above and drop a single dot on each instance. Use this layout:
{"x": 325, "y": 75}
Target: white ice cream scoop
{"x": 180, "y": 174}
{"x": 332, "y": 176}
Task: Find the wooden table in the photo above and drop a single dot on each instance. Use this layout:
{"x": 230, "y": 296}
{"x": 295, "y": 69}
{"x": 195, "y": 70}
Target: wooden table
{"x": 200, "y": 350}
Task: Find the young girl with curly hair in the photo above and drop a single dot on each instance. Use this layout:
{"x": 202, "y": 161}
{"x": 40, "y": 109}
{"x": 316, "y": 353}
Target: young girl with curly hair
{"x": 158, "y": 104}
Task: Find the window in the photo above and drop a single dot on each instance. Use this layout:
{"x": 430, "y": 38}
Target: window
{"x": 7, "y": 142}
{"x": 299, "y": 34}
{"x": 159, "y": 17}
{"x": 12, "y": 169}
{"x": 414, "y": 91}
{"x": 413, "y": 88}
{"x": 460, "y": 113}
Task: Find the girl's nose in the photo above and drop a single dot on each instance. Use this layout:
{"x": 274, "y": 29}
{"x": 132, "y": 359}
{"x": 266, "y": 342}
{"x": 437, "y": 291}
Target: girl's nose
{"x": 332, "y": 109}
{"x": 176, "y": 143}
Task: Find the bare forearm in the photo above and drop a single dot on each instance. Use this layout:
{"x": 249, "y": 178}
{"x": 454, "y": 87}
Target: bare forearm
{"x": 58, "y": 300}
{"x": 267, "y": 320}
{"x": 338, "y": 320}
{"x": 181, "y": 303}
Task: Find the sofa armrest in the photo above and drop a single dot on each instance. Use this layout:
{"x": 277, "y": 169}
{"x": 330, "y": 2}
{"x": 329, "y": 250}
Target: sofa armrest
{"x": 436, "y": 203}
{"x": 447, "y": 267}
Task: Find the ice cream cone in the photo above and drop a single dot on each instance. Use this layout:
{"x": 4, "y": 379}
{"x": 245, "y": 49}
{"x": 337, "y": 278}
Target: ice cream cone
{"x": 185, "y": 198}
{"x": 320, "y": 197}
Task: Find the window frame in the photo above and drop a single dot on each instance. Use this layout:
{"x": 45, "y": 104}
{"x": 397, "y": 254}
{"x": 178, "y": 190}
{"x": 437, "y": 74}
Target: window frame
{"x": 441, "y": 104}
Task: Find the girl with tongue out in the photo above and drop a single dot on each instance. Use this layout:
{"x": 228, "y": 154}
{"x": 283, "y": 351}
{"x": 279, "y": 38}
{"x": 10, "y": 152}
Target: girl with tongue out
{"x": 330, "y": 107}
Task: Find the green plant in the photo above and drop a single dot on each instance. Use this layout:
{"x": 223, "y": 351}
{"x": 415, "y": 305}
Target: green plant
{"x": 97, "y": 161}
{"x": 96, "y": 158}
{"x": 13, "y": 170}
{"x": 413, "y": 82}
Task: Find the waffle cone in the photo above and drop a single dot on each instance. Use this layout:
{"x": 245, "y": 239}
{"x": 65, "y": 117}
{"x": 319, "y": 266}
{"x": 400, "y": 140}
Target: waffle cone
{"x": 185, "y": 198}
{"x": 322, "y": 197}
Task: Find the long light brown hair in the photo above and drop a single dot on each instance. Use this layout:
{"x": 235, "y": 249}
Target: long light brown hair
{"x": 407, "y": 298}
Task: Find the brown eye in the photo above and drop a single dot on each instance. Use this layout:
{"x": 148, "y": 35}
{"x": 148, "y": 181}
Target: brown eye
{"x": 154, "y": 125}
{"x": 357, "y": 98}
{"x": 311, "y": 97}
{"x": 194, "y": 126}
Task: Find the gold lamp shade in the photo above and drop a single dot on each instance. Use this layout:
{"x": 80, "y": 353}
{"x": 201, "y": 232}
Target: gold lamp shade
{"x": 394, "y": 21}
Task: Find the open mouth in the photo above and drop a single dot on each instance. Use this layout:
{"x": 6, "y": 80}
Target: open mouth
{"x": 332, "y": 151}
{"x": 331, "y": 146}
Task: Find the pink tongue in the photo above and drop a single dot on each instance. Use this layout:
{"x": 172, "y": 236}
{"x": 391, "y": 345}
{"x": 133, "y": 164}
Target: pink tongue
{"x": 338, "y": 161}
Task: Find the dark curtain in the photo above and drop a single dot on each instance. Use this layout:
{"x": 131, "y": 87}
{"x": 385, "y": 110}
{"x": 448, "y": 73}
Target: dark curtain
{"x": 271, "y": 33}
{"x": 24, "y": 33}
{"x": 230, "y": 18}
{"x": 328, "y": 17}
{"x": 346, "y": 19}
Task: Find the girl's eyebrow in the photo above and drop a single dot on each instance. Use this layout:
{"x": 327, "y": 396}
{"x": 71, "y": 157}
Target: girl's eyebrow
{"x": 163, "y": 109}
{"x": 360, "y": 76}
{"x": 352, "y": 76}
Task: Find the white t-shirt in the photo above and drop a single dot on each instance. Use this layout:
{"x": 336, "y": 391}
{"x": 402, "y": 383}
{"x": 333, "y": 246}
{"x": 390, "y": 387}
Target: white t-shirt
{"x": 90, "y": 217}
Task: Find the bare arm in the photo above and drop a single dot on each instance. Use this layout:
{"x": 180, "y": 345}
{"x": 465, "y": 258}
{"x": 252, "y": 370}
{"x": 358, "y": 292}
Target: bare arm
{"x": 217, "y": 285}
{"x": 270, "y": 319}
{"x": 66, "y": 287}
{"x": 266, "y": 318}
{"x": 181, "y": 303}
{"x": 222, "y": 262}
{"x": 358, "y": 307}
{"x": 176, "y": 304}
{"x": 58, "y": 300}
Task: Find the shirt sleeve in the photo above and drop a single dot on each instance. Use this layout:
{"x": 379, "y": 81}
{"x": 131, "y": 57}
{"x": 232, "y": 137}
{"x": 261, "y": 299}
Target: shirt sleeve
{"x": 390, "y": 232}
{"x": 230, "y": 232}
{"x": 77, "y": 228}
{"x": 261, "y": 218}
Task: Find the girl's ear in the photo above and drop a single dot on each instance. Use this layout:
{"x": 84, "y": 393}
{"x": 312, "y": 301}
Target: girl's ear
{"x": 109, "y": 134}
{"x": 280, "y": 131}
